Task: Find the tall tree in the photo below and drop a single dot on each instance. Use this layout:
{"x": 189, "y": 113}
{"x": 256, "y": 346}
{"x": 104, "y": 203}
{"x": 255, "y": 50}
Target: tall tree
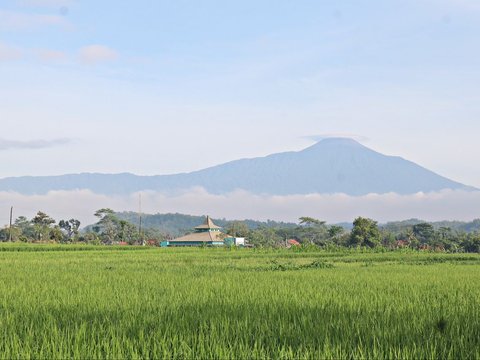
{"x": 71, "y": 228}
{"x": 237, "y": 229}
{"x": 107, "y": 225}
{"x": 25, "y": 230}
{"x": 309, "y": 221}
{"x": 42, "y": 224}
{"x": 334, "y": 231}
{"x": 424, "y": 232}
{"x": 312, "y": 231}
{"x": 365, "y": 232}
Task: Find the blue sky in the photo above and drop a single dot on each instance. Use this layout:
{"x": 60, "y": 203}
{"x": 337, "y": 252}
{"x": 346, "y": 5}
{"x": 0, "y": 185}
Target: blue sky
{"x": 155, "y": 87}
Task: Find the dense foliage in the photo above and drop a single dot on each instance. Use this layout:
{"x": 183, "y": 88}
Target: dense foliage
{"x": 113, "y": 303}
{"x": 173, "y": 225}
{"x": 364, "y": 233}
{"x": 113, "y": 228}
{"x": 109, "y": 230}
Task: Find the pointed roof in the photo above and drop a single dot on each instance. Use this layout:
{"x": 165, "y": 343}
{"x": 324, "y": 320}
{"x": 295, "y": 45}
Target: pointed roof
{"x": 208, "y": 225}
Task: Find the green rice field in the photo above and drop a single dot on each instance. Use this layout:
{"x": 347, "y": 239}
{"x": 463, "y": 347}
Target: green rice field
{"x": 83, "y": 302}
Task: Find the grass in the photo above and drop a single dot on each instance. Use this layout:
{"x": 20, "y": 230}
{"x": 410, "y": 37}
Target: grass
{"x": 101, "y": 302}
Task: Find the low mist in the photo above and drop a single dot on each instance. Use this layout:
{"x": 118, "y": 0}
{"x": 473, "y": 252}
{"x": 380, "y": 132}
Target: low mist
{"x": 81, "y": 204}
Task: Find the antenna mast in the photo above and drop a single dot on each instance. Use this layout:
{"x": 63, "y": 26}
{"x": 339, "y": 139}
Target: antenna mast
{"x": 140, "y": 234}
{"x": 10, "y": 228}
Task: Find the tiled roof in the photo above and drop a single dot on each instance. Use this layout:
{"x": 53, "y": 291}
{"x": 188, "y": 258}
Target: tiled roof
{"x": 208, "y": 224}
{"x": 201, "y": 237}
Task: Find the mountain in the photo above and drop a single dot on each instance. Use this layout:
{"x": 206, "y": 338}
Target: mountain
{"x": 335, "y": 165}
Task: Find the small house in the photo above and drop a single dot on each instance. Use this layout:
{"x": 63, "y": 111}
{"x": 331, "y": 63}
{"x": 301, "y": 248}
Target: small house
{"x": 293, "y": 243}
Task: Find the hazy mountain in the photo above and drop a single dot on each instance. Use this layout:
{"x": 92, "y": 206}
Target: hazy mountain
{"x": 331, "y": 166}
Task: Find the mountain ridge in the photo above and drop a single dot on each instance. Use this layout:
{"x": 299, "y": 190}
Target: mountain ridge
{"x": 333, "y": 165}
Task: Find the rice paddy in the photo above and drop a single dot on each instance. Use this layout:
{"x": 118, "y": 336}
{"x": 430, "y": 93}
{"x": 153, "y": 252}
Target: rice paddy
{"x": 111, "y": 303}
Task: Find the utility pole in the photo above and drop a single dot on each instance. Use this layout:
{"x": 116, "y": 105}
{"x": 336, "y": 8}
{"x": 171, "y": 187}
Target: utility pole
{"x": 140, "y": 234}
{"x": 10, "y": 228}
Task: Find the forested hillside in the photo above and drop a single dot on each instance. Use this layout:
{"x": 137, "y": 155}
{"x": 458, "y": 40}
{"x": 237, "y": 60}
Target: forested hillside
{"x": 456, "y": 226}
{"x": 179, "y": 224}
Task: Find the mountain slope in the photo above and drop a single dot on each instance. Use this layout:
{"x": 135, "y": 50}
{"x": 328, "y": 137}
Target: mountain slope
{"x": 330, "y": 166}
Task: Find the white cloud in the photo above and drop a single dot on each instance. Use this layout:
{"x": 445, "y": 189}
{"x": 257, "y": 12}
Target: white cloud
{"x": 81, "y": 204}
{"x": 31, "y": 144}
{"x": 11, "y": 20}
{"x": 93, "y": 54}
{"x": 49, "y": 55}
{"x": 8, "y": 53}
{"x": 12, "y": 53}
{"x": 319, "y": 137}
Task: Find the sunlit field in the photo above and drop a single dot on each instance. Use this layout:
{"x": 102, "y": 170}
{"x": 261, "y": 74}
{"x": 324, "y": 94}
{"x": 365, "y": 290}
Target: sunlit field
{"x": 105, "y": 302}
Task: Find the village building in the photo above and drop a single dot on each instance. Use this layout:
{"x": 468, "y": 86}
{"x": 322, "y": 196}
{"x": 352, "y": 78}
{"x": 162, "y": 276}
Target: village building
{"x": 207, "y": 234}
{"x": 292, "y": 243}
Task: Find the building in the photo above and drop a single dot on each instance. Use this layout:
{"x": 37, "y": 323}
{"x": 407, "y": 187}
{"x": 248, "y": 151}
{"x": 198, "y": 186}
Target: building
{"x": 233, "y": 241}
{"x": 292, "y": 243}
{"x": 207, "y": 234}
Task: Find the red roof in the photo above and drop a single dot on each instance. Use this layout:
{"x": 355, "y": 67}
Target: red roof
{"x": 402, "y": 243}
{"x": 293, "y": 242}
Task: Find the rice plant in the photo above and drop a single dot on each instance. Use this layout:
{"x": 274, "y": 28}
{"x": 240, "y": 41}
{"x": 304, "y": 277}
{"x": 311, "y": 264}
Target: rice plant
{"x": 108, "y": 303}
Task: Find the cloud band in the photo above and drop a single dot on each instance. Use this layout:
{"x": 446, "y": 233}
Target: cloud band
{"x": 31, "y": 144}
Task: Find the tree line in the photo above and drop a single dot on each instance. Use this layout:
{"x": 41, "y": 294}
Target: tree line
{"x": 108, "y": 230}
{"x": 111, "y": 228}
{"x": 364, "y": 233}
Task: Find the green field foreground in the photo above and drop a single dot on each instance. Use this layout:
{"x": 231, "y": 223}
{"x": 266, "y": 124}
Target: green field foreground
{"x": 101, "y": 302}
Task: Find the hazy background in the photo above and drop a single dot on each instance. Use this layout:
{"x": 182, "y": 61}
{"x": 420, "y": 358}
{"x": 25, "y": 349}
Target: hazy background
{"x": 157, "y": 87}
{"x": 457, "y": 205}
